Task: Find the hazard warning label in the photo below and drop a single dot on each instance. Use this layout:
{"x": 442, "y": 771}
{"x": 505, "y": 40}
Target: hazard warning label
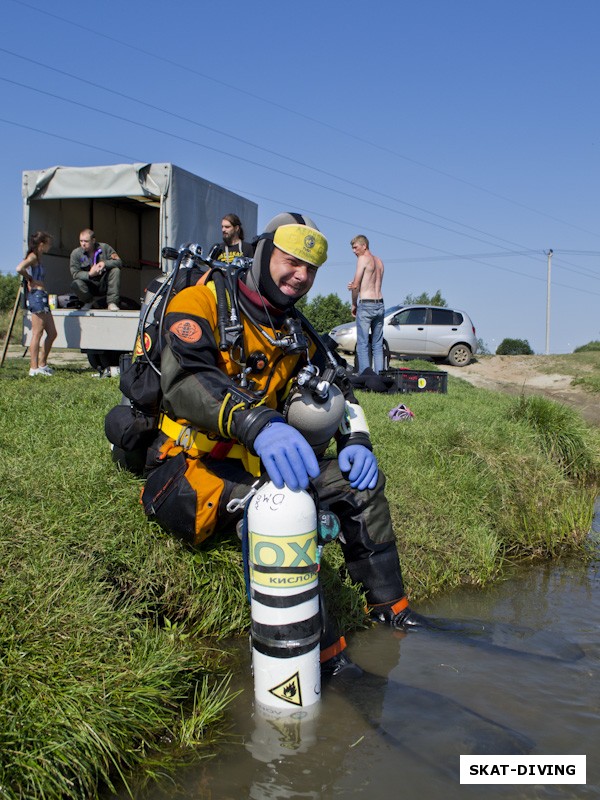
{"x": 289, "y": 690}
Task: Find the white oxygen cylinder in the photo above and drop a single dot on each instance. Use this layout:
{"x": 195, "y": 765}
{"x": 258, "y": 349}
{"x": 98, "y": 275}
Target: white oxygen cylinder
{"x": 284, "y": 598}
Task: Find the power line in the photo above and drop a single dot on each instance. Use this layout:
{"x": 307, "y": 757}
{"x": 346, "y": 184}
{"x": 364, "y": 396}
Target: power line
{"x": 580, "y": 252}
{"x": 269, "y": 151}
{"x": 68, "y": 139}
{"x": 186, "y": 139}
{"x": 454, "y": 256}
{"x": 268, "y": 101}
{"x": 320, "y": 214}
{"x": 420, "y": 259}
{"x": 137, "y": 123}
{"x": 428, "y": 259}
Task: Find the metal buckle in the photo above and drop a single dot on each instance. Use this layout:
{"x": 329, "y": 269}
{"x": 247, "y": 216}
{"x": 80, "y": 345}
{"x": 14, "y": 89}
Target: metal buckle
{"x": 185, "y": 437}
{"x": 239, "y": 502}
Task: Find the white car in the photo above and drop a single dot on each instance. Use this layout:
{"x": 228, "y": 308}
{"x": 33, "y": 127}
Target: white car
{"x": 430, "y": 331}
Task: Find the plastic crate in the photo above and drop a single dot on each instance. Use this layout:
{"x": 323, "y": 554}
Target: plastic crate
{"x": 418, "y": 380}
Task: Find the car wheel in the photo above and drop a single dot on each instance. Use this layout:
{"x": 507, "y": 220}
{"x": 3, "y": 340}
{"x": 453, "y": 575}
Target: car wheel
{"x": 459, "y": 355}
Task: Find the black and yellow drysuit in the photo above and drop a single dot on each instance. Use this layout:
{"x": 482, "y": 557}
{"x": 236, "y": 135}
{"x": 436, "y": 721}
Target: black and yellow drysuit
{"x": 204, "y": 455}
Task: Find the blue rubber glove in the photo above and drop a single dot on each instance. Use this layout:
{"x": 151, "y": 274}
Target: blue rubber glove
{"x": 286, "y": 455}
{"x": 360, "y": 462}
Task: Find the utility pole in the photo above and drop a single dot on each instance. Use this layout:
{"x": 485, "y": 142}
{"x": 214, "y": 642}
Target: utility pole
{"x": 549, "y": 254}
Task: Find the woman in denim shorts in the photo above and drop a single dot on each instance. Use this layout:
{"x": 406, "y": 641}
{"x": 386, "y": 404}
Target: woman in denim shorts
{"x": 32, "y": 271}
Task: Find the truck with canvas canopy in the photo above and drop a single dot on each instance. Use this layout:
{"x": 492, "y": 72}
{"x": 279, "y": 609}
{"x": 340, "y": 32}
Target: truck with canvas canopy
{"x": 138, "y": 209}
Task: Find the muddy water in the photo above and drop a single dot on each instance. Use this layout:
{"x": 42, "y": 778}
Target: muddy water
{"x": 530, "y": 683}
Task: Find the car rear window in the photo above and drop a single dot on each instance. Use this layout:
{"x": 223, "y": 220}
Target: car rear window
{"x": 445, "y": 316}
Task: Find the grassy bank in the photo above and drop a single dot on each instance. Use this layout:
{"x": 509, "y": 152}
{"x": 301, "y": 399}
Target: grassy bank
{"x": 17, "y": 330}
{"x": 583, "y": 365}
{"x": 110, "y": 629}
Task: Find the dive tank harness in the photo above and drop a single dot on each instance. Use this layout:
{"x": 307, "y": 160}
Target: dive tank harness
{"x": 290, "y": 338}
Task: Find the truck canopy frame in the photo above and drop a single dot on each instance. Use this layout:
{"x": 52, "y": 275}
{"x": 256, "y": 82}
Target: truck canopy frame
{"x": 136, "y": 208}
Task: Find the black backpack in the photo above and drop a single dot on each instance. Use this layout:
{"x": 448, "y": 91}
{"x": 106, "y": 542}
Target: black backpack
{"x": 132, "y": 426}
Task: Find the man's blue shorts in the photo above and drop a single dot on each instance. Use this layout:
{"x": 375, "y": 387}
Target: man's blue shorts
{"x": 37, "y": 302}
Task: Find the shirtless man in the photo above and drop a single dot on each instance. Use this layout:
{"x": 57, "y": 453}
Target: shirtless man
{"x": 369, "y": 312}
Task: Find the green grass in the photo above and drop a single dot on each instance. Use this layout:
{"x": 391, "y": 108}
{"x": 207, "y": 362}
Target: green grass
{"x": 580, "y": 364}
{"x": 590, "y": 381}
{"x": 95, "y": 663}
{"x": 590, "y": 346}
{"x": 17, "y": 331}
{"x": 110, "y": 642}
{"x": 479, "y": 482}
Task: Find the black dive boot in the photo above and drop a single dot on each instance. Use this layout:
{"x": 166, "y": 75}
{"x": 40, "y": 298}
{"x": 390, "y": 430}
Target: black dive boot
{"x": 408, "y": 620}
{"x": 340, "y": 666}
{"x": 381, "y": 576}
{"x": 403, "y": 620}
{"x": 334, "y": 661}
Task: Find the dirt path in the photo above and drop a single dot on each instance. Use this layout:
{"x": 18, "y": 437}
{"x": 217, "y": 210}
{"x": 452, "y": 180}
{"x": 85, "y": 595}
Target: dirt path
{"x": 58, "y": 356}
{"x": 528, "y": 375}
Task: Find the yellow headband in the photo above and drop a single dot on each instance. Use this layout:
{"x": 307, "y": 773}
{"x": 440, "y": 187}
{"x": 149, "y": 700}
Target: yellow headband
{"x": 307, "y": 244}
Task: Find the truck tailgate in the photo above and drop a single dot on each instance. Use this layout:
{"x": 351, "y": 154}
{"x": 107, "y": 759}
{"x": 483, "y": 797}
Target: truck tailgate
{"x": 97, "y": 329}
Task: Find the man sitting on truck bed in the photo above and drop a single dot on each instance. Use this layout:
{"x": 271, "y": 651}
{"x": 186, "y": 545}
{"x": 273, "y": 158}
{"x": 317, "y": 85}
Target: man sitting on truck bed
{"x": 96, "y": 271}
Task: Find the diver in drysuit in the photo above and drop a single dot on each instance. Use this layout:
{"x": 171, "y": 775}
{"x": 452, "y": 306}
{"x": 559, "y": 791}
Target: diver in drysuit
{"x": 262, "y": 393}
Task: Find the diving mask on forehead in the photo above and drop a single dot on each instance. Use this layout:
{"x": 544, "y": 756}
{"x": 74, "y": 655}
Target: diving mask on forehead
{"x": 302, "y": 242}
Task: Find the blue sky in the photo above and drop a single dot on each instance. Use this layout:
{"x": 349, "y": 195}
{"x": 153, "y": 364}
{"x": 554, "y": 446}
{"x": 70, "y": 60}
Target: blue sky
{"x": 462, "y": 137}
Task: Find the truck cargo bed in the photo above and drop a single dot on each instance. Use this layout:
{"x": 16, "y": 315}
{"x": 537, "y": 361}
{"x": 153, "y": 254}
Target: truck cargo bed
{"x": 91, "y": 330}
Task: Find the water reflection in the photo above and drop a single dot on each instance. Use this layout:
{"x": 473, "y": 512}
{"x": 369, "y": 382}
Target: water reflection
{"x": 428, "y": 698}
